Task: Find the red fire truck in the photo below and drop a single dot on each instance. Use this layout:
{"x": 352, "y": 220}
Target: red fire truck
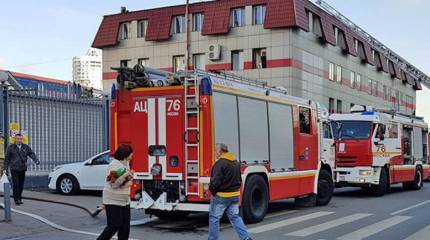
{"x": 378, "y": 148}
{"x": 173, "y": 121}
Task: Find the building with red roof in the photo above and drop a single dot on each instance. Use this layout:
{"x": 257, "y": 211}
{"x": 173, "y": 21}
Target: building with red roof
{"x": 312, "y": 52}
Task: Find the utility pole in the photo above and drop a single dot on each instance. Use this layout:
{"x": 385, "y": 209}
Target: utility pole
{"x": 187, "y": 36}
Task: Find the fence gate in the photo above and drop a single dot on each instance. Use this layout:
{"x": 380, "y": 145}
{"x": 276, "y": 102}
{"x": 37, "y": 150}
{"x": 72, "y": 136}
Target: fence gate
{"x": 60, "y": 129}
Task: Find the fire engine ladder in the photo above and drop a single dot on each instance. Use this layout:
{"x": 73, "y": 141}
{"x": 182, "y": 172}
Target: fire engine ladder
{"x": 192, "y": 129}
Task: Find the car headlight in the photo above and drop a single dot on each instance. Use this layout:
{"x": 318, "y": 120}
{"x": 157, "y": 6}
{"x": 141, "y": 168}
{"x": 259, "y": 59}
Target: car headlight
{"x": 365, "y": 172}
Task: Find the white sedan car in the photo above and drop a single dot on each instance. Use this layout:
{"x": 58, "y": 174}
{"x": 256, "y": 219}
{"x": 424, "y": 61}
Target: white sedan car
{"x": 68, "y": 179}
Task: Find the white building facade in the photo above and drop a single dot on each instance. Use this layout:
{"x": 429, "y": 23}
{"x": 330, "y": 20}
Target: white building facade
{"x": 88, "y": 69}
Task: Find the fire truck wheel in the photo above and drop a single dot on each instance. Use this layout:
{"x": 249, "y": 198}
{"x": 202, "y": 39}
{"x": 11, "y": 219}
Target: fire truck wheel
{"x": 255, "y": 200}
{"x": 169, "y": 215}
{"x": 417, "y": 183}
{"x": 67, "y": 185}
{"x": 380, "y": 189}
{"x": 325, "y": 188}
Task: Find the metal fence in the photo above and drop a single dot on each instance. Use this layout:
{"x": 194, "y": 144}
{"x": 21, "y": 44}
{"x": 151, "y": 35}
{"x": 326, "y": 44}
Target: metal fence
{"x": 60, "y": 129}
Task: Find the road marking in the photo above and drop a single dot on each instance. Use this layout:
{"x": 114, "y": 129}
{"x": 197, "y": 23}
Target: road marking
{"x": 140, "y": 222}
{"x": 409, "y": 208}
{"x": 54, "y": 225}
{"x": 374, "y": 228}
{"x": 420, "y": 235}
{"x": 278, "y": 214}
{"x": 286, "y": 222}
{"x": 327, "y": 225}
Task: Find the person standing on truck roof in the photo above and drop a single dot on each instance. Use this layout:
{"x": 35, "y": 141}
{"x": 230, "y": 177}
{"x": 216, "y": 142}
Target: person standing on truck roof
{"x": 116, "y": 195}
{"x": 225, "y": 188}
{"x": 16, "y": 159}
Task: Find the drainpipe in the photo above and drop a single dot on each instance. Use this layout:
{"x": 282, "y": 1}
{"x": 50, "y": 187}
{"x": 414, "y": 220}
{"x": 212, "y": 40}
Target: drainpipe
{"x": 187, "y": 36}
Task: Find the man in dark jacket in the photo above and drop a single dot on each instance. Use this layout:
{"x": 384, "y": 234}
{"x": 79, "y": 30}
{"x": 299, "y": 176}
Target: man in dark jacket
{"x": 16, "y": 160}
{"x": 225, "y": 185}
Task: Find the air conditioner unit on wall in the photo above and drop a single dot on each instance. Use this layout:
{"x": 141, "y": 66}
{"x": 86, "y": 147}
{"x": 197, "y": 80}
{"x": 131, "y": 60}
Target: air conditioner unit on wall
{"x": 214, "y": 52}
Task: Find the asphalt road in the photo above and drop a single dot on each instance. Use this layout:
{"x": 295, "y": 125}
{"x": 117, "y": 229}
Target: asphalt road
{"x": 351, "y": 215}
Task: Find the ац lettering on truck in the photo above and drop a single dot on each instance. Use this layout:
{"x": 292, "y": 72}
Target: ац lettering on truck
{"x": 284, "y": 144}
{"x": 377, "y": 148}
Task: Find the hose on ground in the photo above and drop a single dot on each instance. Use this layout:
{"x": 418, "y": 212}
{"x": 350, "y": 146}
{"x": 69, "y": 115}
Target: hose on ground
{"x": 91, "y": 213}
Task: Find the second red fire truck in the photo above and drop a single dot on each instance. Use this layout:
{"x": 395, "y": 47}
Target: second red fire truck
{"x": 378, "y": 148}
{"x": 173, "y": 121}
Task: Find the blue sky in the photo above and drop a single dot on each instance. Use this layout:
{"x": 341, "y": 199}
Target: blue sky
{"x": 41, "y": 37}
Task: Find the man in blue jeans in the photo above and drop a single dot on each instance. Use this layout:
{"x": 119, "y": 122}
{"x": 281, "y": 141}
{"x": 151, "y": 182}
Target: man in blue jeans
{"x": 225, "y": 188}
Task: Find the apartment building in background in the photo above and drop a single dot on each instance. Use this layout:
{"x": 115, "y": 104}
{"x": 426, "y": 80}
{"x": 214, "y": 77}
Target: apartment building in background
{"x": 87, "y": 70}
{"x": 290, "y": 43}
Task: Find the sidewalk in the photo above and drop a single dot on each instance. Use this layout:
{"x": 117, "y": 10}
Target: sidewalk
{"x": 31, "y": 226}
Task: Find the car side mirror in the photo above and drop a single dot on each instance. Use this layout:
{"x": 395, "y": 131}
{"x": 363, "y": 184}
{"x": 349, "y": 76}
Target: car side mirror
{"x": 89, "y": 163}
{"x": 382, "y": 137}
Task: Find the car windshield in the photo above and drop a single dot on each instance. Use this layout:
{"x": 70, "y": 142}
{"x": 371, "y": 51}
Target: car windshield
{"x": 351, "y": 129}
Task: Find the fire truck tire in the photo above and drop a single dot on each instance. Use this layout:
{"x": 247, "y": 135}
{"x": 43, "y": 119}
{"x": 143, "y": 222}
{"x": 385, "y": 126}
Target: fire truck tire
{"x": 417, "y": 183}
{"x": 325, "y": 188}
{"x": 67, "y": 185}
{"x": 255, "y": 200}
{"x": 380, "y": 189}
{"x": 169, "y": 215}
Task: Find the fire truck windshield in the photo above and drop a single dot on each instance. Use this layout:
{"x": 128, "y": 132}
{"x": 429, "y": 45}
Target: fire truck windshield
{"x": 351, "y": 129}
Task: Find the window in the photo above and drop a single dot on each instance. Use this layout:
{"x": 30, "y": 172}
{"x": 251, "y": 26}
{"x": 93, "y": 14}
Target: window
{"x": 237, "y": 60}
{"x": 336, "y": 35}
{"x": 305, "y": 120}
{"x": 339, "y": 106}
{"x": 375, "y": 88}
{"x": 124, "y": 63}
{"x": 197, "y": 22}
{"x": 370, "y": 87}
{"x": 124, "y": 31}
{"x": 178, "y": 63}
{"x": 327, "y": 131}
{"x": 141, "y": 28}
{"x": 352, "y": 79}
{"x": 101, "y": 160}
{"x": 392, "y": 130}
{"x": 258, "y": 14}
{"x": 238, "y": 17}
{"x": 143, "y": 61}
{"x": 356, "y": 45}
{"x": 178, "y": 24}
{"x": 311, "y": 21}
{"x": 199, "y": 61}
{"x": 385, "y": 92}
{"x": 338, "y": 74}
{"x": 358, "y": 81}
{"x": 351, "y": 129}
{"x": 259, "y": 59}
{"x": 331, "y": 105}
{"x": 331, "y": 71}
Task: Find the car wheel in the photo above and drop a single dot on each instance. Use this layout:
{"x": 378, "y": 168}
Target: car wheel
{"x": 325, "y": 188}
{"x": 255, "y": 200}
{"x": 417, "y": 183}
{"x": 67, "y": 185}
{"x": 380, "y": 189}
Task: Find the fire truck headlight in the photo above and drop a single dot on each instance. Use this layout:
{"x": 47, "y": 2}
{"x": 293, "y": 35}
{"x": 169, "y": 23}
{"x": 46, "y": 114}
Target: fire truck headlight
{"x": 174, "y": 161}
{"x": 365, "y": 172}
{"x": 156, "y": 170}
